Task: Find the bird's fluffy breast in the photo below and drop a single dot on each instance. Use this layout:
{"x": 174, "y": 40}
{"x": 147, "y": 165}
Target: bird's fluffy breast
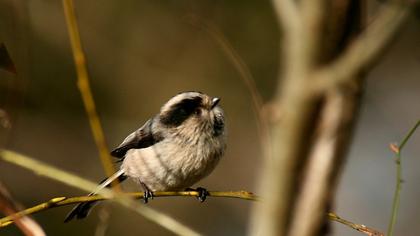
{"x": 173, "y": 165}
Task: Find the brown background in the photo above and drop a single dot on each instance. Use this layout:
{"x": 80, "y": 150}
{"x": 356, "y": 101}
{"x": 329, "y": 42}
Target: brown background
{"x": 140, "y": 53}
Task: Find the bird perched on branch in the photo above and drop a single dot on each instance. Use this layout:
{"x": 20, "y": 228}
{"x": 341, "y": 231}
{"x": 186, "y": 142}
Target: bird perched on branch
{"x": 172, "y": 151}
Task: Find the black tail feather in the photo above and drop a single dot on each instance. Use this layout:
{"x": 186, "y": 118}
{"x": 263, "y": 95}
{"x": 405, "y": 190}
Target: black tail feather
{"x": 82, "y": 210}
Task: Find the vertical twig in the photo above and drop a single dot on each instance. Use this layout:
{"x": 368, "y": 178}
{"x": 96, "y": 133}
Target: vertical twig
{"x": 396, "y": 201}
{"x": 84, "y": 87}
{"x": 104, "y": 220}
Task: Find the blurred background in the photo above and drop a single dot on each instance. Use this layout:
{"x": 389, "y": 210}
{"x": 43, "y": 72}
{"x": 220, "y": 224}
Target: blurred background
{"x": 141, "y": 53}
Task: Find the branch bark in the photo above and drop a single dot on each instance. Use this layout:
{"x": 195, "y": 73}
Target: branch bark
{"x": 289, "y": 144}
{"x": 64, "y": 201}
{"x": 9, "y": 206}
{"x": 124, "y": 199}
{"x": 298, "y": 183}
{"x": 367, "y": 48}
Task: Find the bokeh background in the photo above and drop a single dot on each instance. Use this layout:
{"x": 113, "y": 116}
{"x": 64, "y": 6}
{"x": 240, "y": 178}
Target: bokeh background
{"x": 140, "y": 53}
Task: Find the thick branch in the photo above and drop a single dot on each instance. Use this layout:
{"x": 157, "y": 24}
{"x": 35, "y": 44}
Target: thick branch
{"x": 324, "y": 160}
{"x": 287, "y": 14}
{"x": 289, "y": 137}
{"x": 364, "y": 51}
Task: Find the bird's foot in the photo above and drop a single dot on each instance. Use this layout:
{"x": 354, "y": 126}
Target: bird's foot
{"x": 147, "y": 195}
{"x": 202, "y": 193}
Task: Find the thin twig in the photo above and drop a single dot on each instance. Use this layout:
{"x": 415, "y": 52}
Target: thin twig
{"x": 84, "y": 88}
{"x": 9, "y": 206}
{"x": 396, "y": 201}
{"x": 72, "y": 180}
{"x": 366, "y": 48}
{"x": 358, "y": 227}
{"x": 63, "y": 201}
{"x": 124, "y": 199}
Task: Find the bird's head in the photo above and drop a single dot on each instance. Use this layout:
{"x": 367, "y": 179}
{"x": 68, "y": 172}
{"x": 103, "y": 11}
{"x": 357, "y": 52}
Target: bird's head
{"x": 191, "y": 112}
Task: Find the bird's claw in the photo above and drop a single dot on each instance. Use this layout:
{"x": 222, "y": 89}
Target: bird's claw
{"x": 202, "y": 193}
{"x": 147, "y": 195}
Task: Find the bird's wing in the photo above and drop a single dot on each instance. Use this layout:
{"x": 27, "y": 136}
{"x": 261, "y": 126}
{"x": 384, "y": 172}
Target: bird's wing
{"x": 141, "y": 138}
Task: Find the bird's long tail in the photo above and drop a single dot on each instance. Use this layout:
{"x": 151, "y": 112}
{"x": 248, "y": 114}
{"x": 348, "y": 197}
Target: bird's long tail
{"x": 83, "y": 209}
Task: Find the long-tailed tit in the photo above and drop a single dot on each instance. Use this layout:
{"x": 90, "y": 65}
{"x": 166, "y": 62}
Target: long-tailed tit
{"x": 171, "y": 151}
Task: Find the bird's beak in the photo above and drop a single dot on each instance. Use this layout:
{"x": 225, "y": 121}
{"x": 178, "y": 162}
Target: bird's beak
{"x": 214, "y": 102}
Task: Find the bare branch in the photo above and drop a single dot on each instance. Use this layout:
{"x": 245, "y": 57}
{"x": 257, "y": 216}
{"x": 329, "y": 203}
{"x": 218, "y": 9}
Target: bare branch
{"x": 313, "y": 17}
{"x": 322, "y": 161}
{"x": 84, "y": 88}
{"x": 287, "y": 14}
{"x": 124, "y": 199}
{"x": 63, "y": 201}
{"x": 289, "y": 137}
{"x": 358, "y": 227}
{"x": 9, "y": 206}
{"x": 364, "y": 51}
{"x": 72, "y": 180}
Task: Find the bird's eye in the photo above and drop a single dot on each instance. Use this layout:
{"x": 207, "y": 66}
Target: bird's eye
{"x": 197, "y": 112}
{"x": 182, "y": 112}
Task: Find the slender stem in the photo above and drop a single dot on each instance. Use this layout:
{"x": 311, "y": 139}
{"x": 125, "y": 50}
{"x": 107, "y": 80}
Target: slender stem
{"x": 397, "y": 193}
{"x": 67, "y": 178}
{"x": 358, "y": 227}
{"x": 408, "y": 136}
{"x": 64, "y": 201}
{"x": 396, "y": 200}
{"x": 123, "y": 198}
{"x": 84, "y": 87}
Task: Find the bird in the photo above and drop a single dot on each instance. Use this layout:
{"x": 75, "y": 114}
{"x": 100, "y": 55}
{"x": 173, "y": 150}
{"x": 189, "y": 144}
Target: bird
{"x": 172, "y": 151}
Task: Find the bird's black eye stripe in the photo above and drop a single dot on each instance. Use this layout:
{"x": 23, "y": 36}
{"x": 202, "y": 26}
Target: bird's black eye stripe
{"x": 179, "y": 112}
